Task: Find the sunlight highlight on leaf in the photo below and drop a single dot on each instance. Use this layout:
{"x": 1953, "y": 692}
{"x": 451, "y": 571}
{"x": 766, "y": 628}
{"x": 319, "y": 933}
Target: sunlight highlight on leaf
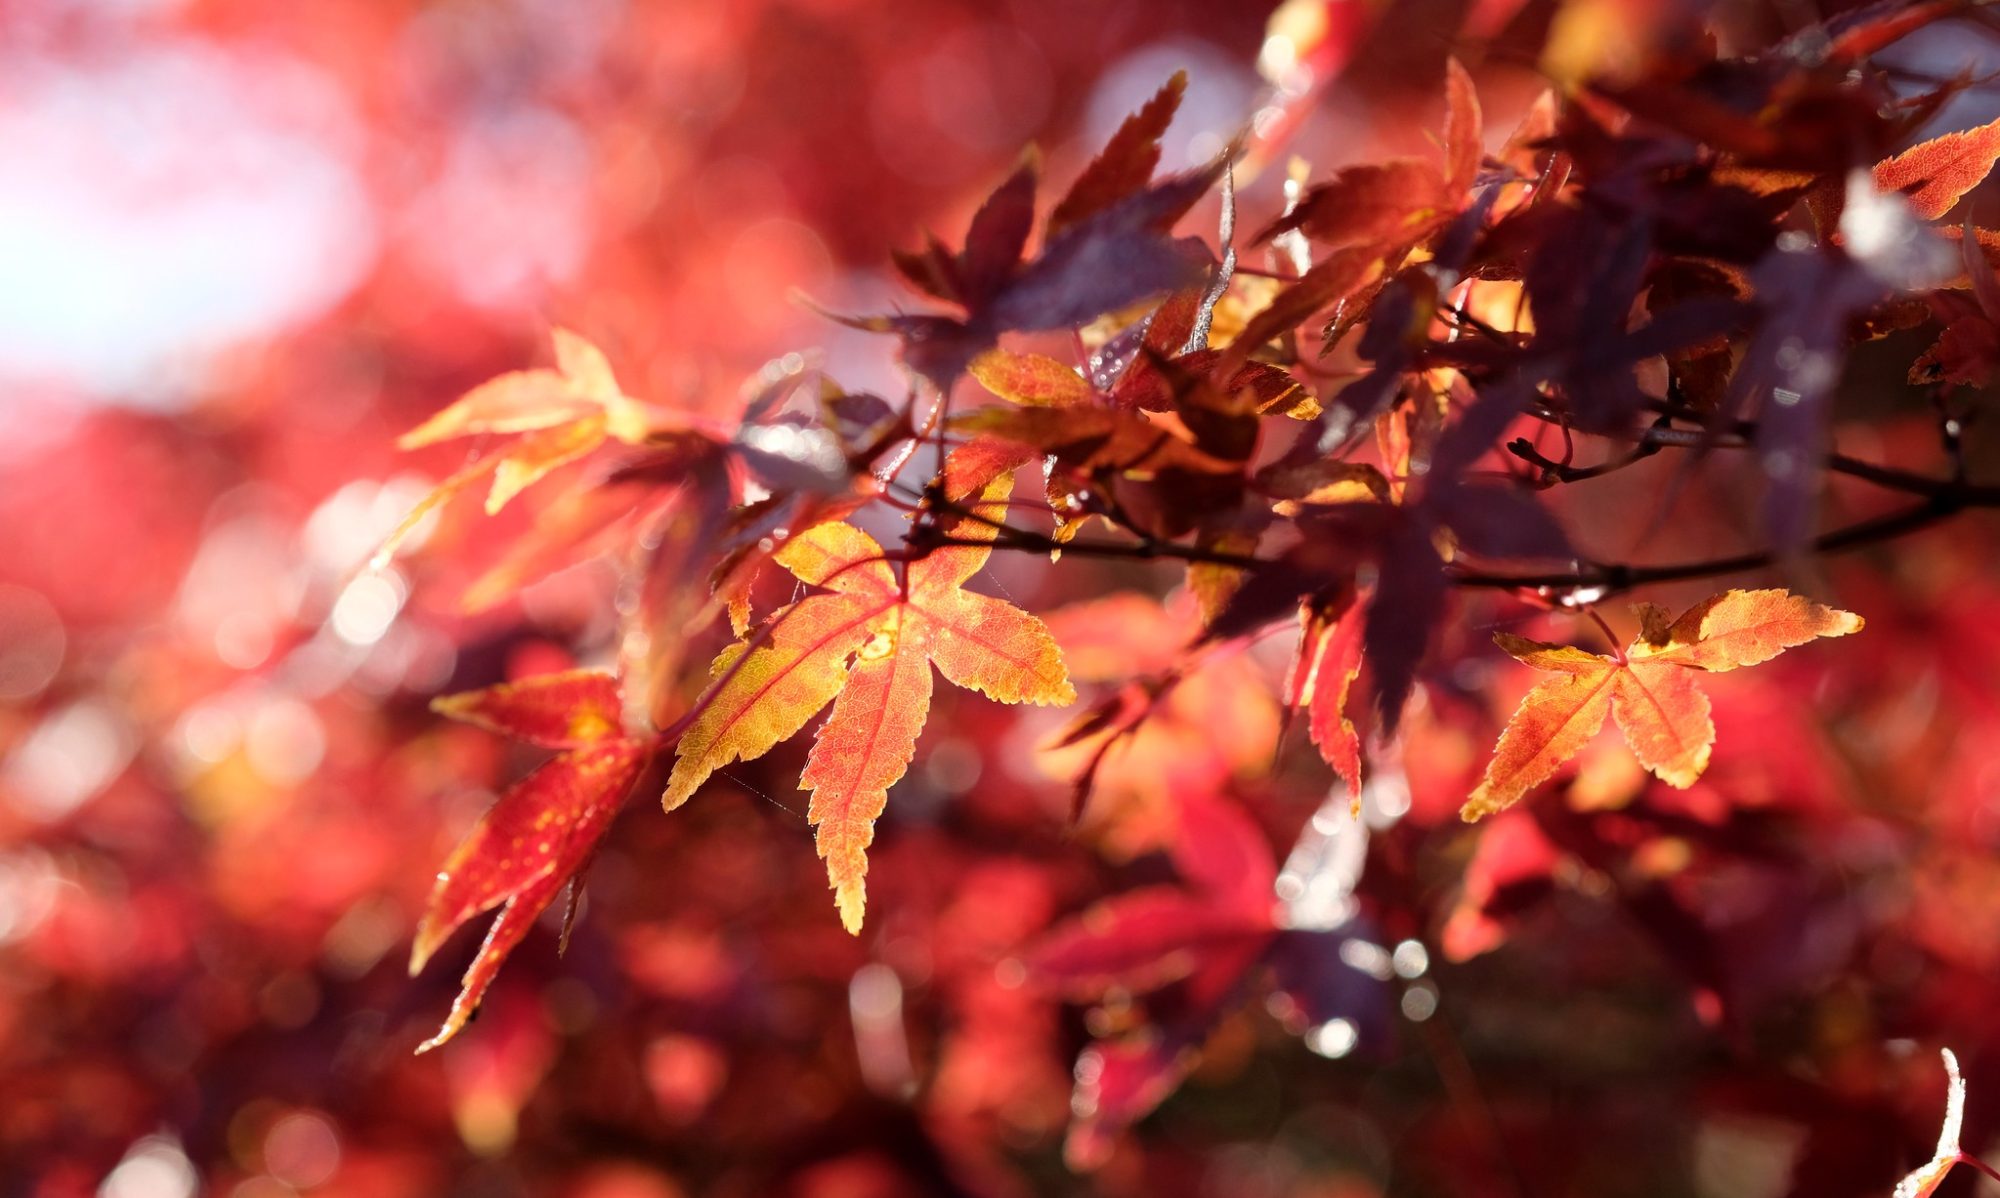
{"x": 1649, "y": 689}
{"x": 871, "y": 641}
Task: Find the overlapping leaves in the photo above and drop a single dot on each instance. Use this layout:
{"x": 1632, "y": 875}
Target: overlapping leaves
{"x": 1107, "y": 245}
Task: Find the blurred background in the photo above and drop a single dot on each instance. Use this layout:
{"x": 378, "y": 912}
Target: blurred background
{"x": 243, "y": 245}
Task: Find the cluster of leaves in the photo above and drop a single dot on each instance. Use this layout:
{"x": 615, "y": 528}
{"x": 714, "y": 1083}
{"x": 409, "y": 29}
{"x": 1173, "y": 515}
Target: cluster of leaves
{"x": 1679, "y": 259}
{"x": 1253, "y": 506}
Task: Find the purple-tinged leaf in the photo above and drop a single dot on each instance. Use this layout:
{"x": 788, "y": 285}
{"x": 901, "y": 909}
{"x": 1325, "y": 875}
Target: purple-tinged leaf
{"x": 1126, "y": 162}
{"x": 997, "y": 236}
{"x": 1499, "y": 521}
{"x": 1409, "y": 604}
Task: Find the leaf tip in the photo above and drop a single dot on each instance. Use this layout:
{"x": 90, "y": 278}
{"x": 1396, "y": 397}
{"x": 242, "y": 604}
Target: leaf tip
{"x": 852, "y": 900}
{"x": 443, "y": 1036}
{"x": 679, "y": 789}
{"x": 429, "y": 938}
{"x": 1683, "y": 775}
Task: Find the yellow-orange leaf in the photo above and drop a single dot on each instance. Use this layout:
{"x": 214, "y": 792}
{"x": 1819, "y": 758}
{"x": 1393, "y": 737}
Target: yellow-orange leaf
{"x": 1742, "y": 628}
{"x": 531, "y": 459}
{"x": 1663, "y": 716}
{"x": 521, "y": 464}
{"x": 566, "y": 413}
{"x": 861, "y": 751}
{"x": 1031, "y": 380}
{"x": 569, "y": 710}
{"x": 1650, "y": 690}
{"x": 1335, "y": 664}
{"x": 764, "y": 693}
{"x": 1556, "y": 719}
{"x": 871, "y": 640}
{"x": 524, "y": 400}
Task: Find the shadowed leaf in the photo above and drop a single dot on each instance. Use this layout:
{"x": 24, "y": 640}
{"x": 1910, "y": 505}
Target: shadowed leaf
{"x": 1127, "y": 161}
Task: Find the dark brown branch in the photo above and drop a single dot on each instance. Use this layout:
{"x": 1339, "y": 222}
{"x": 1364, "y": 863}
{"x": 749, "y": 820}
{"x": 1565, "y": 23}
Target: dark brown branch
{"x": 1614, "y": 577}
{"x": 1741, "y": 435}
{"x": 1553, "y": 472}
{"x": 1607, "y": 577}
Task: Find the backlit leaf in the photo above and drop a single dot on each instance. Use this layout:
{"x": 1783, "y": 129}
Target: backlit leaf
{"x": 1935, "y": 174}
{"x": 1463, "y": 126}
{"x": 1335, "y": 663}
{"x": 566, "y": 414}
{"x": 1650, "y": 689}
{"x": 522, "y": 852}
{"x": 1031, "y": 380}
{"x": 871, "y": 640}
{"x": 525, "y": 400}
{"x": 1743, "y": 628}
{"x": 563, "y": 711}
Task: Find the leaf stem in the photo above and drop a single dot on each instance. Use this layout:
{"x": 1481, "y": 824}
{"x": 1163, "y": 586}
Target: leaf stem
{"x": 1610, "y": 637}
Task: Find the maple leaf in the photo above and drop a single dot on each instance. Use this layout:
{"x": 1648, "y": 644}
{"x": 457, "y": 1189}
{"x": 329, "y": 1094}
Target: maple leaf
{"x": 541, "y": 834}
{"x": 1935, "y": 174}
{"x": 866, "y": 643}
{"x": 563, "y": 415}
{"x": 1402, "y": 201}
{"x": 1031, "y": 380}
{"x": 1106, "y": 246}
{"x": 1126, "y": 163}
{"x": 1321, "y": 679}
{"x": 1649, "y": 690}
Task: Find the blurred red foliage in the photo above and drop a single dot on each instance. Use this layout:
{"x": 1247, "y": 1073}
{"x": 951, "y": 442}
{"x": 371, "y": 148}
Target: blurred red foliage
{"x": 223, "y": 801}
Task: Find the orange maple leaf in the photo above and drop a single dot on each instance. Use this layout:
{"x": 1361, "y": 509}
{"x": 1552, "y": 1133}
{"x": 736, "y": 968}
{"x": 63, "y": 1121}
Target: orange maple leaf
{"x": 1649, "y": 689}
{"x": 562, "y": 414}
{"x": 1029, "y": 379}
{"x": 871, "y": 639}
{"x": 1937, "y": 173}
